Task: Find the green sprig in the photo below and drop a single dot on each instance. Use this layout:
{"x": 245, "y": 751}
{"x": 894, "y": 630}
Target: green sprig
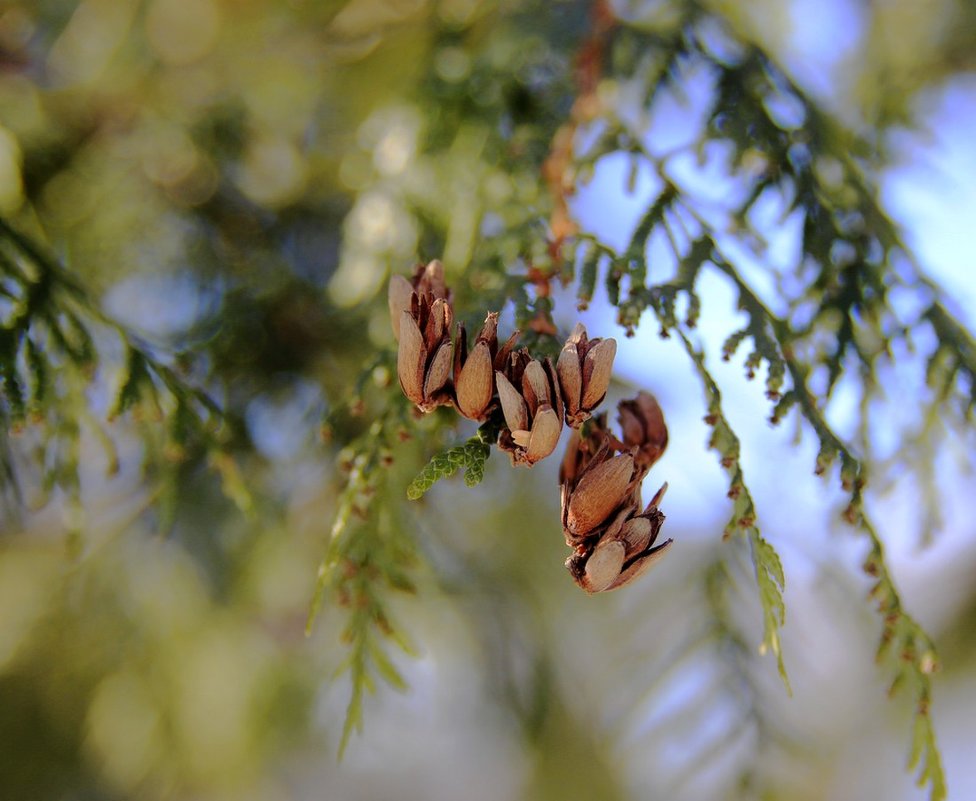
{"x": 470, "y": 456}
{"x": 367, "y": 555}
{"x": 770, "y": 577}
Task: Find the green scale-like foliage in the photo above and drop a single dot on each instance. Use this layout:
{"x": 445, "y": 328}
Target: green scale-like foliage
{"x": 847, "y": 246}
{"x": 471, "y": 457}
{"x": 52, "y": 345}
{"x": 491, "y": 225}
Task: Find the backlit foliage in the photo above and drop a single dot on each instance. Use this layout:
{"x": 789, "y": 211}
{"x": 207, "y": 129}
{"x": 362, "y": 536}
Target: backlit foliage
{"x": 273, "y": 164}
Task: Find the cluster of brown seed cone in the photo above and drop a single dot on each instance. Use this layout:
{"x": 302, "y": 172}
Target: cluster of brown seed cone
{"x": 612, "y": 535}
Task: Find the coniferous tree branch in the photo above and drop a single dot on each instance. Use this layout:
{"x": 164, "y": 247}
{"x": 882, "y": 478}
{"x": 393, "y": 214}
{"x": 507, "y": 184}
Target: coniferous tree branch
{"x": 52, "y": 342}
{"x": 368, "y": 554}
{"x": 499, "y": 159}
{"x": 854, "y": 290}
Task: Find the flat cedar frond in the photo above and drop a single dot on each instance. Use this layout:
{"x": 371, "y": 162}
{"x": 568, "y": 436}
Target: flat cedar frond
{"x": 772, "y": 582}
{"x": 470, "y": 456}
{"x": 906, "y": 650}
{"x": 770, "y": 579}
{"x": 368, "y": 626}
{"x": 52, "y": 343}
{"x": 367, "y": 555}
{"x": 953, "y": 360}
{"x": 737, "y": 657}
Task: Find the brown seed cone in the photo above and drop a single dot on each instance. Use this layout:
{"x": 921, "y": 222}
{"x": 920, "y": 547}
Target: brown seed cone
{"x": 604, "y": 485}
{"x": 427, "y": 281}
{"x": 580, "y": 449}
{"x": 600, "y": 478}
{"x": 642, "y": 424}
{"x": 624, "y": 550}
{"x": 596, "y": 484}
{"x": 474, "y": 371}
{"x": 532, "y": 406}
{"x": 424, "y": 354}
{"x": 584, "y": 367}
{"x": 619, "y": 558}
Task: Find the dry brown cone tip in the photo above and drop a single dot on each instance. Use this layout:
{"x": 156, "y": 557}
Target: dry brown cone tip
{"x": 428, "y": 280}
{"x": 532, "y": 406}
{"x": 474, "y": 371}
{"x": 584, "y": 367}
{"x": 424, "y": 355}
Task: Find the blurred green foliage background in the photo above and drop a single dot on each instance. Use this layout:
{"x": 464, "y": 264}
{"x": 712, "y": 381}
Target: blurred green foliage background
{"x": 233, "y": 181}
